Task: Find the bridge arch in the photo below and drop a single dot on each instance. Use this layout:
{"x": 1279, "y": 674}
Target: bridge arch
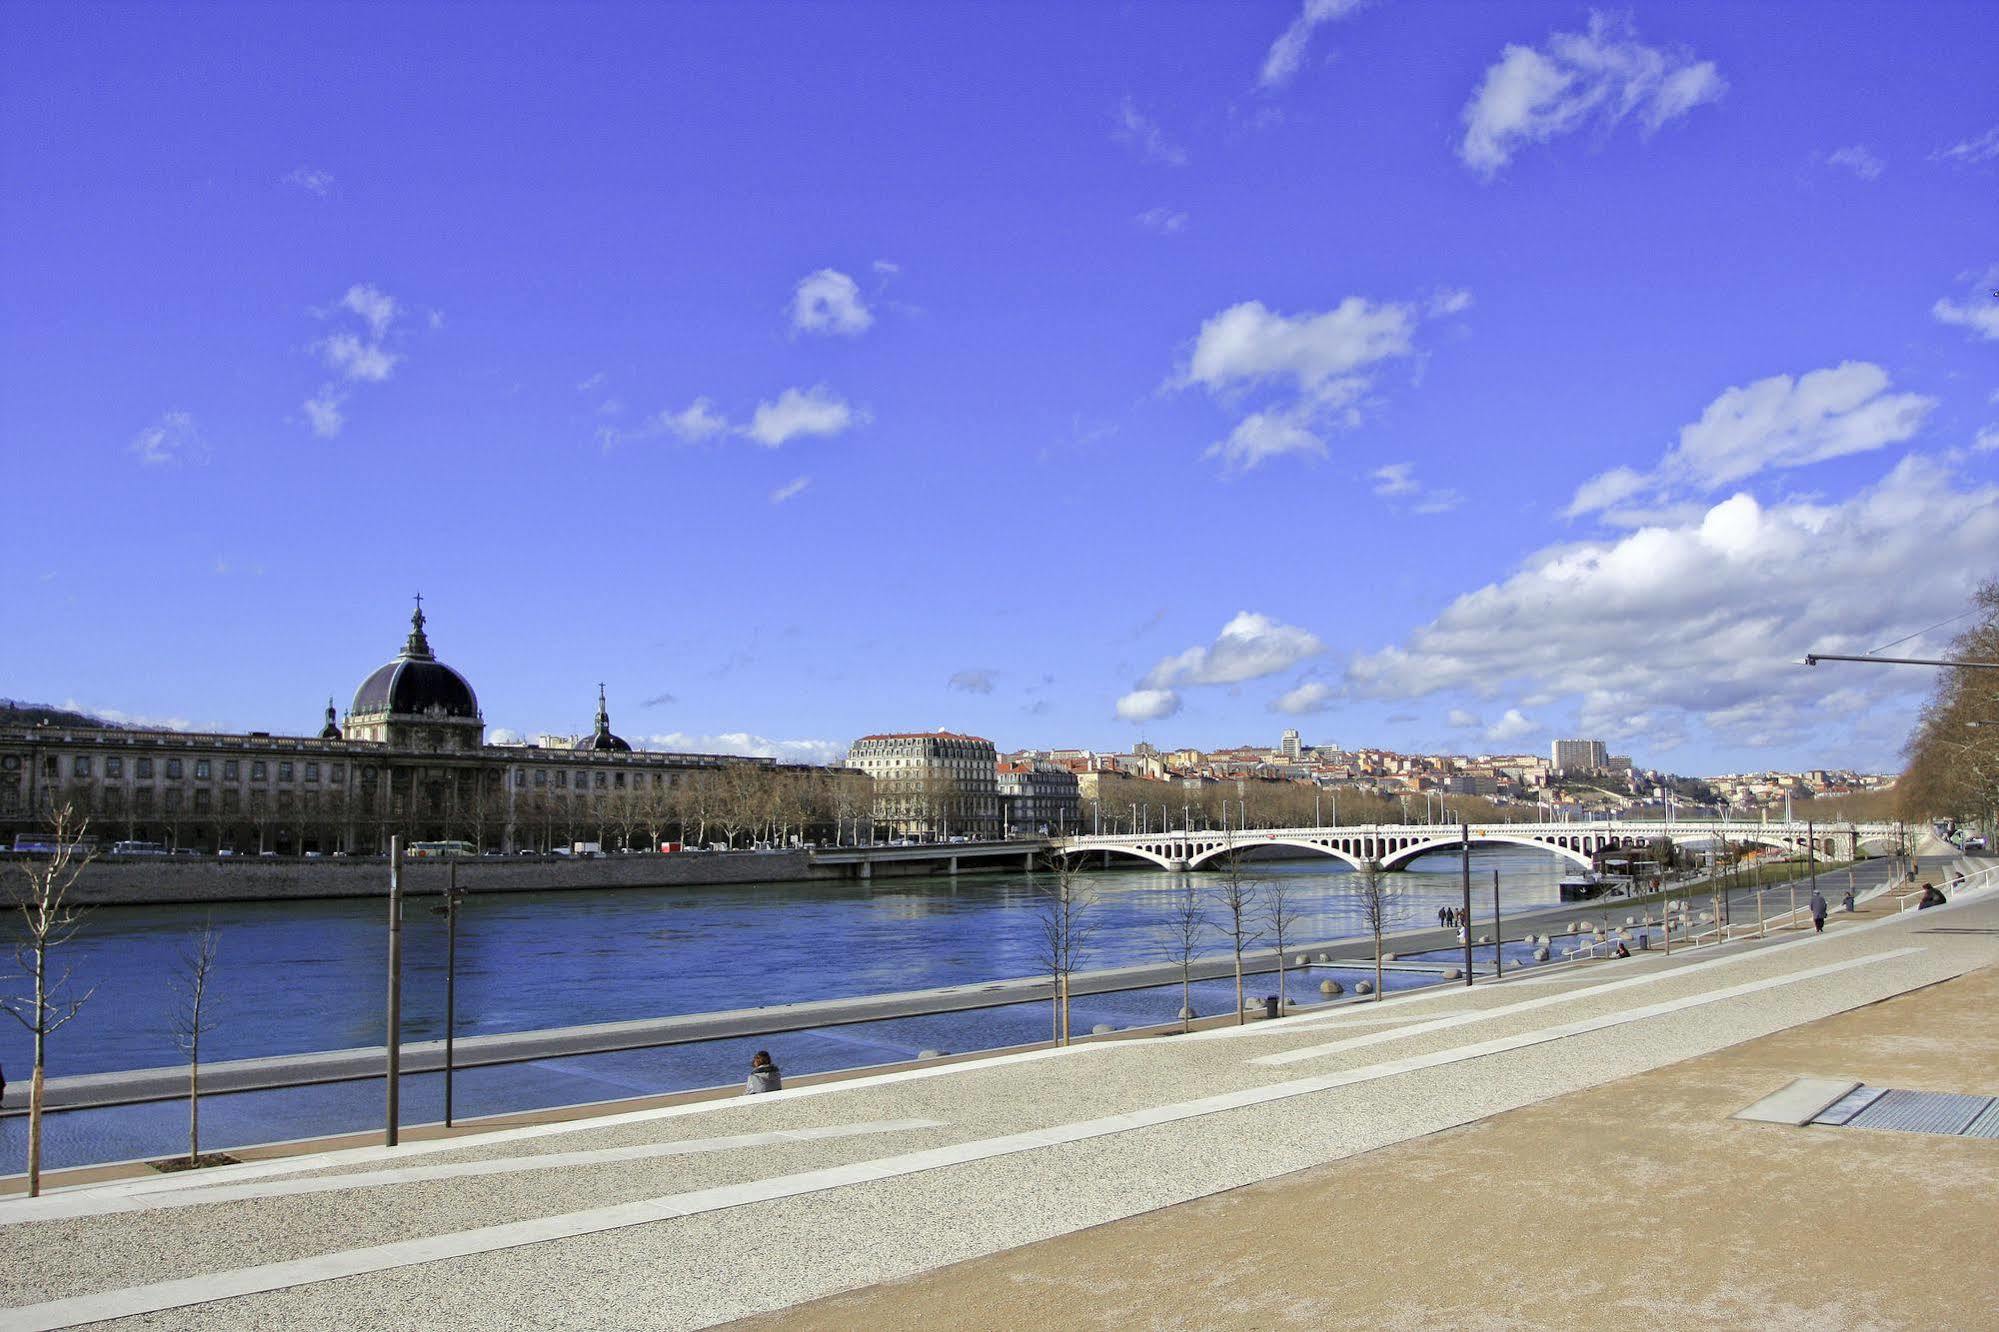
{"x": 1248, "y": 841}
{"x": 1117, "y": 849}
{"x": 1399, "y": 858}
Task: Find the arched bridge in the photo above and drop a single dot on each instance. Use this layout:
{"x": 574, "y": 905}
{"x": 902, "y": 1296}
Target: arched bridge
{"x": 1394, "y": 845}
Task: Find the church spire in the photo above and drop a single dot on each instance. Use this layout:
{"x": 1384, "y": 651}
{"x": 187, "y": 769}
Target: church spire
{"x": 417, "y": 645}
{"x": 330, "y": 731}
{"x": 603, "y": 713}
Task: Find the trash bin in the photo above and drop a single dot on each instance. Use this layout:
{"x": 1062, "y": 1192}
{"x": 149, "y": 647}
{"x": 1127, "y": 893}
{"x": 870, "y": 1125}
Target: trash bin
{"x": 1270, "y": 1005}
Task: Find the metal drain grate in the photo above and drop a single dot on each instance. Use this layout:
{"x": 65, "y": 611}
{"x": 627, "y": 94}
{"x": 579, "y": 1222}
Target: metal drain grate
{"x": 1952, "y": 1114}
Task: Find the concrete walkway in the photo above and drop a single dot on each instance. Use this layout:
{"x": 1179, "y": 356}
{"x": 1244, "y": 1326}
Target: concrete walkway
{"x": 687, "y": 1215}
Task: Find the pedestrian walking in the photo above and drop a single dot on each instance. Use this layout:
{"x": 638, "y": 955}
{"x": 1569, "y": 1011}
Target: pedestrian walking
{"x": 1818, "y": 912}
{"x": 1846, "y": 903}
{"x": 764, "y": 1075}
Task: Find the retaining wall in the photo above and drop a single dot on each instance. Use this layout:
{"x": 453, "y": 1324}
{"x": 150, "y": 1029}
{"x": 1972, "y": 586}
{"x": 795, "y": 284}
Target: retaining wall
{"x": 130, "y": 882}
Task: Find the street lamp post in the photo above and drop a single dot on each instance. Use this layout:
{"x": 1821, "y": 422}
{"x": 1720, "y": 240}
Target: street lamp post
{"x": 452, "y": 897}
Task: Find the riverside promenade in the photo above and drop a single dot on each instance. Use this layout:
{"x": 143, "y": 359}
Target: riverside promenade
{"x": 1556, "y": 1149}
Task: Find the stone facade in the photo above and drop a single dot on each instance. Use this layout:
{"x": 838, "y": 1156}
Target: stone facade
{"x": 1037, "y": 797}
{"x": 931, "y": 783}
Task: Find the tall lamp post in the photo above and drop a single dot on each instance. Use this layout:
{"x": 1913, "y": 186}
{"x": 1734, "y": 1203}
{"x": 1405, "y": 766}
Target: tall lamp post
{"x": 452, "y": 898}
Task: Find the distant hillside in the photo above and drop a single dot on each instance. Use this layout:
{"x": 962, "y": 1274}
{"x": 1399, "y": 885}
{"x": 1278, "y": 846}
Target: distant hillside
{"x": 13, "y": 712}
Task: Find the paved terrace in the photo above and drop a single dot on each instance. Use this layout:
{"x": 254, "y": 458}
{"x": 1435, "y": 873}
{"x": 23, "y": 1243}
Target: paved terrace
{"x": 688, "y": 1215}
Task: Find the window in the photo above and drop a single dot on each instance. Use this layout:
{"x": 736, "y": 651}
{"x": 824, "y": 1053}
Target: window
{"x": 142, "y": 768}
{"x": 312, "y": 772}
{"x": 520, "y": 777}
{"x": 114, "y": 766}
{"x": 337, "y": 773}
{"x": 173, "y": 800}
{"x": 49, "y": 764}
{"x": 562, "y": 778}
{"x": 619, "y": 783}
{"x": 257, "y": 771}
{"x": 201, "y": 801}
{"x": 230, "y": 771}
{"x": 540, "y": 777}
{"x": 173, "y": 768}
{"x": 284, "y": 772}
{"x": 600, "y": 780}
{"x": 80, "y": 767}
{"x": 201, "y": 770}
{"x": 232, "y": 800}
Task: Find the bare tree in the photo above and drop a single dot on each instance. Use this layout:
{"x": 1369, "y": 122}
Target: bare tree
{"x": 1236, "y": 895}
{"x": 1186, "y": 921}
{"x": 1281, "y": 919}
{"x": 48, "y": 921}
{"x": 193, "y": 1017}
{"x": 1064, "y": 914}
{"x": 1376, "y": 910}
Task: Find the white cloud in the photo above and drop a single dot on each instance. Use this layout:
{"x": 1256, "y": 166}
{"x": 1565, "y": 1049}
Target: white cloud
{"x": 1281, "y": 62}
{"x": 322, "y": 412}
{"x": 1779, "y": 422}
{"x": 1859, "y": 159}
{"x": 1395, "y": 479}
{"x": 595, "y": 381}
{"x": 695, "y": 422}
{"x": 358, "y": 359}
{"x": 828, "y": 301}
{"x": 1249, "y": 647}
{"x": 1978, "y": 311}
{"x": 1971, "y": 151}
{"x": 814, "y": 411}
{"x": 171, "y": 439}
{"x": 504, "y": 735}
{"x": 1600, "y": 77}
{"x": 1249, "y": 342}
{"x": 1510, "y": 727}
{"x": 1141, "y": 133}
{"x": 1312, "y": 696}
{"x": 1144, "y": 705}
{"x": 971, "y": 682}
{"x": 1987, "y": 440}
{"x": 1261, "y": 436}
{"x": 144, "y": 721}
{"x": 376, "y": 307}
{"x": 1448, "y": 301}
{"x": 791, "y": 489}
{"x": 1705, "y": 621}
{"x": 1462, "y": 719}
{"x": 1320, "y": 364}
{"x": 749, "y": 746}
{"x": 887, "y": 267}
{"x": 310, "y": 179}
{"x": 1166, "y": 221}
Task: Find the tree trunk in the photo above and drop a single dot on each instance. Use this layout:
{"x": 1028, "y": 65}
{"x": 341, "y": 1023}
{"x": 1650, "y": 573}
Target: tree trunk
{"x": 35, "y": 1124}
{"x": 1238, "y": 986}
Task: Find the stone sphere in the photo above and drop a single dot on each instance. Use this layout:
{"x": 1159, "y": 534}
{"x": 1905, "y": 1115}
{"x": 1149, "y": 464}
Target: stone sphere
{"x": 1364, "y": 987}
{"x": 1631, "y": 920}
{"x": 1388, "y": 957}
{"x": 931, "y": 1054}
{"x": 1485, "y": 938}
{"x": 1188, "y": 1014}
{"x": 1540, "y": 955}
{"x": 1102, "y": 1029}
{"x": 1331, "y": 988}
{"x": 1304, "y": 960}
{"x": 1452, "y": 973}
{"x": 1325, "y": 957}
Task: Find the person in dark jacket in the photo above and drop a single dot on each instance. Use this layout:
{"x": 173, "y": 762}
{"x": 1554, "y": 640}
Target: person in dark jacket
{"x": 764, "y": 1075}
{"x": 1818, "y": 912}
{"x": 1931, "y": 897}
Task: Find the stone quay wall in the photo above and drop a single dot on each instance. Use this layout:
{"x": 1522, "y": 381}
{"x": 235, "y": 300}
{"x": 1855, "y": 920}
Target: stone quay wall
{"x": 167, "y": 879}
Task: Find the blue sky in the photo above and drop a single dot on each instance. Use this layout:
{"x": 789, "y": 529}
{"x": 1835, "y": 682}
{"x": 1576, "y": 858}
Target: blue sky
{"x": 1443, "y": 376}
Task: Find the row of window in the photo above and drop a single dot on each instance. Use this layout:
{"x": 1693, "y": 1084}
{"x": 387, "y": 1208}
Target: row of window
{"x": 583, "y": 782}
{"x": 142, "y": 769}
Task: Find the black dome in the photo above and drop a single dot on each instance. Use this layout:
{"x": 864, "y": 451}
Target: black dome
{"x": 602, "y": 739}
{"x": 412, "y": 685}
{"x": 416, "y": 683}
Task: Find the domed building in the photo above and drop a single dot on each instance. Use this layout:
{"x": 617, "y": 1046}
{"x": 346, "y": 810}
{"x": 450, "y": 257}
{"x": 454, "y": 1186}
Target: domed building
{"x": 601, "y": 740}
{"x": 416, "y": 703}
